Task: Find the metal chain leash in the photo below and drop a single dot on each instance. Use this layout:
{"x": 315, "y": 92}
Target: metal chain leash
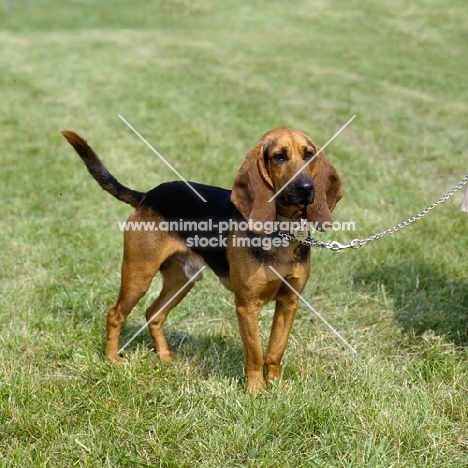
{"x": 358, "y": 243}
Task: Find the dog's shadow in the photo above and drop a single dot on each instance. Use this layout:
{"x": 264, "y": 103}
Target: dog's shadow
{"x": 423, "y": 301}
{"x": 212, "y": 353}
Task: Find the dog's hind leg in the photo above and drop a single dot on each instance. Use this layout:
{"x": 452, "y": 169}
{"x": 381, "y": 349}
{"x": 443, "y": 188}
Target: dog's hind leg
{"x": 174, "y": 289}
{"x": 141, "y": 262}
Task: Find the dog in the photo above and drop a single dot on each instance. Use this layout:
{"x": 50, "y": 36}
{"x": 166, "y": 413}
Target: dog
{"x": 242, "y": 267}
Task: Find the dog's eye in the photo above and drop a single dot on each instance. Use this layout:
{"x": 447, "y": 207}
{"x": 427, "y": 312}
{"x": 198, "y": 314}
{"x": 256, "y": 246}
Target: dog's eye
{"x": 308, "y": 155}
{"x": 280, "y": 157}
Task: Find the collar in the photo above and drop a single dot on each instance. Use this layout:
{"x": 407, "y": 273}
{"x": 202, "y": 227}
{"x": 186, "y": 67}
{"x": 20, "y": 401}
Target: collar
{"x": 298, "y": 215}
{"x": 296, "y": 233}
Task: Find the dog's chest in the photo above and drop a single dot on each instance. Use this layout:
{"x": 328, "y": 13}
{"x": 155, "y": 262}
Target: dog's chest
{"x": 290, "y": 261}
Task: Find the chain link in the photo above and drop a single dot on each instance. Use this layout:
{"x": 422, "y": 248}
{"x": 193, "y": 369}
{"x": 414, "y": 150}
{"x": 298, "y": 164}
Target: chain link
{"x": 358, "y": 243}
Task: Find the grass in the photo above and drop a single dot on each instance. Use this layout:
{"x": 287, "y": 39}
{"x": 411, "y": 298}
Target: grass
{"x": 202, "y": 81}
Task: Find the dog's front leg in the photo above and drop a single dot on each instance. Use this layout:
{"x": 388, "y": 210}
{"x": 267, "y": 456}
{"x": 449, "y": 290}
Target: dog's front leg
{"x": 285, "y": 312}
{"x": 247, "y": 317}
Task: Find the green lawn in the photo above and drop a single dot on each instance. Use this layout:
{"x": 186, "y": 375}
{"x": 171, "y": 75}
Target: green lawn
{"x": 202, "y": 81}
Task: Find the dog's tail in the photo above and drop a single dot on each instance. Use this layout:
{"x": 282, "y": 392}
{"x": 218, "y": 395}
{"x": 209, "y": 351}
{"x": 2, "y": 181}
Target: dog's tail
{"x": 97, "y": 169}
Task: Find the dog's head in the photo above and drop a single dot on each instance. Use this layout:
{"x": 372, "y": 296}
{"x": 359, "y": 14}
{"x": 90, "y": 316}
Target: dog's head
{"x": 287, "y": 174}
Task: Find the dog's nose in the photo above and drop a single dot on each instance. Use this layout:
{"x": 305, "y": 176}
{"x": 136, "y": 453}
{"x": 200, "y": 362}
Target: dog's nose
{"x": 305, "y": 187}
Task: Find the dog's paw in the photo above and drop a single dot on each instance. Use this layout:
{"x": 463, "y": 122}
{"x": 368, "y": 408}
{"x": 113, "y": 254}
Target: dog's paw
{"x": 256, "y": 387}
{"x": 115, "y": 358}
{"x": 279, "y": 384}
{"x": 167, "y": 356}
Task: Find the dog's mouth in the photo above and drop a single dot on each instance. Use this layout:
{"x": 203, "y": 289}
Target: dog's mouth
{"x": 293, "y": 208}
{"x": 300, "y": 194}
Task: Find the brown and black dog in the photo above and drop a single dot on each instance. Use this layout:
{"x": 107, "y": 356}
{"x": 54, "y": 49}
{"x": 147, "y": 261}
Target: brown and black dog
{"x": 242, "y": 267}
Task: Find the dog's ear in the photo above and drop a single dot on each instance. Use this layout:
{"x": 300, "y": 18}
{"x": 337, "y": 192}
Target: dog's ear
{"x": 328, "y": 192}
{"x": 253, "y": 188}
